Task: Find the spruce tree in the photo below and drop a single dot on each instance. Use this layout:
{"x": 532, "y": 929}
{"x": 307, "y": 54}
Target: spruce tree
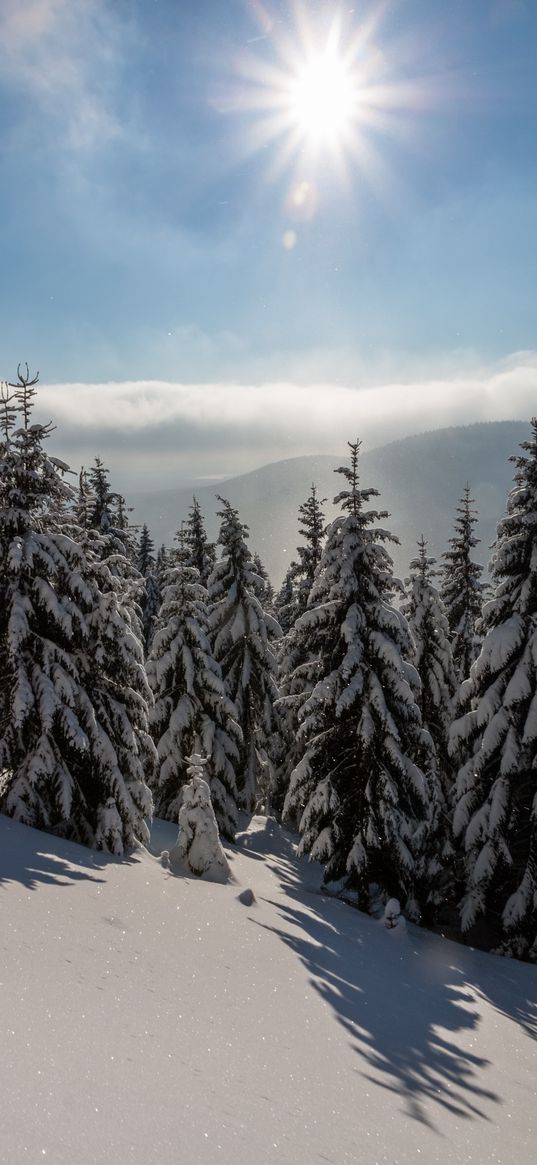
{"x": 462, "y": 588}
{"x": 74, "y": 746}
{"x": 496, "y": 739}
{"x": 292, "y": 599}
{"x": 145, "y": 559}
{"x": 262, "y": 584}
{"x": 432, "y": 656}
{"x": 150, "y": 596}
{"x": 297, "y": 657}
{"x": 202, "y": 553}
{"x": 285, "y": 604}
{"x": 192, "y": 711}
{"x": 366, "y": 812}
{"x": 241, "y": 632}
{"x": 433, "y": 660}
{"x": 312, "y": 528}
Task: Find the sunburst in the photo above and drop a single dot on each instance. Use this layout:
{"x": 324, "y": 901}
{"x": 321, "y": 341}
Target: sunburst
{"x": 322, "y": 98}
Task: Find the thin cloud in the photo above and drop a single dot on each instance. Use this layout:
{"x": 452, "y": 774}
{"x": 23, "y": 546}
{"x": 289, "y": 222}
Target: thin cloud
{"x": 64, "y": 54}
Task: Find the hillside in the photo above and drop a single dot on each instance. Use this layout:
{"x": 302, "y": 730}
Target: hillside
{"x": 420, "y": 480}
{"x": 151, "y": 1018}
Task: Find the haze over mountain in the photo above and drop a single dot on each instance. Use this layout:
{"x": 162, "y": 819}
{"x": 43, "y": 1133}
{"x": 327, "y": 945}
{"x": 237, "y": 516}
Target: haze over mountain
{"x": 420, "y": 480}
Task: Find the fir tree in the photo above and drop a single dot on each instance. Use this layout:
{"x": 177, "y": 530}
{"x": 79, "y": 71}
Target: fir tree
{"x": 293, "y": 597}
{"x": 74, "y": 744}
{"x": 285, "y": 603}
{"x": 162, "y": 565}
{"x": 192, "y": 711}
{"x": 462, "y": 588}
{"x": 496, "y": 738}
{"x": 150, "y": 597}
{"x": 98, "y": 480}
{"x": 262, "y": 585}
{"x": 433, "y": 660}
{"x": 298, "y": 653}
{"x": 198, "y": 848}
{"x": 108, "y": 515}
{"x": 432, "y": 656}
{"x": 145, "y": 560}
{"x": 240, "y": 633}
{"x": 312, "y": 528}
{"x": 366, "y": 809}
{"x": 202, "y": 553}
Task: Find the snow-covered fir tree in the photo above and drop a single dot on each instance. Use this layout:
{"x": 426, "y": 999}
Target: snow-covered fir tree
{"x": 297, "y": 657}
{"x": 241, "y": 631}
{"x": 311, "y": 525}
{"x": 103, "y": 512}
{"x": 150, "y": 597}
{"x": 462, "y": 587}
{"x": 432, "y": 656}
{"x": 74, "y": 745}
{"x": 198, "y": 848}
{"x": 201, "y": 552}
{"x": 263, "y": 588}
{"x": 116, "y": 545}
{"x": 433, "y": 660}
{"x": 366, "y": 812}
{"x": 162, "y": 565}
{"x": 496, "y": 739}
{"x": 285, "y": 599}
{"x": 192, "y": 711}
{"x": 145, "y": 559}
{"x": 107, "y": 512}
{"x": 293, "y": 597}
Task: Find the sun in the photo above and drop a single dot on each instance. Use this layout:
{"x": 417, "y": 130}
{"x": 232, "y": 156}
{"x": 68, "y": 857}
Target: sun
{"x": 323, "y": 99}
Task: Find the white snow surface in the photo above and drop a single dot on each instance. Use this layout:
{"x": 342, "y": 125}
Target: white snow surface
{"x": 152, "y": 1018}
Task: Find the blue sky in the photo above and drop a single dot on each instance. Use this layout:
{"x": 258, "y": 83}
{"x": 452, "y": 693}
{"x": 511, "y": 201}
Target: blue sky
{"x": 143, "y": 218}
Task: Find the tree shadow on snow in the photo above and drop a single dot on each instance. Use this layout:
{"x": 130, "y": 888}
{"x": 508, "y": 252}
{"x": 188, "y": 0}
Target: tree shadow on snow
{"x": 509, "y": 986}
{"x": 28, "y": 857}
{"x": 275, "y": 846}
{"x": 409, "y": 1014}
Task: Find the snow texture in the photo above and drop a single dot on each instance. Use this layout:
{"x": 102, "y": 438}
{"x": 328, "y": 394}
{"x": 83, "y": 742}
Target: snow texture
{"x": 149, "y": 1018}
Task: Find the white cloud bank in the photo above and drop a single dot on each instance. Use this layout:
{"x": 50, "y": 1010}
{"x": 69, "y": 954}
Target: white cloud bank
{"x": 157, "y": 433}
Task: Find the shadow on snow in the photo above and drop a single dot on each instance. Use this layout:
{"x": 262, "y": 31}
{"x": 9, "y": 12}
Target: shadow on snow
{"x": 407, "y": 1001}
{"x": 26, "y": 858}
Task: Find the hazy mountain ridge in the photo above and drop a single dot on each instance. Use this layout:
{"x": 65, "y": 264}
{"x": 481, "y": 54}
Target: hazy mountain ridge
{"x": 420, "y": 479}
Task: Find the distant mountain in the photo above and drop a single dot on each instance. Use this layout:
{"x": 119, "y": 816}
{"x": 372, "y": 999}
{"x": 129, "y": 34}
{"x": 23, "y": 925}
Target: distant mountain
{"x": 420, "y": 480}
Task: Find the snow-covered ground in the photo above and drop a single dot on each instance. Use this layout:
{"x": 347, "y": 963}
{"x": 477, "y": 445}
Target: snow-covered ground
{"x": 152, "y": 1018}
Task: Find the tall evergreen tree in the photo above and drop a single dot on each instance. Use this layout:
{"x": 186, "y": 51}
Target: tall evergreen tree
{"x": 240, "y": 632}
{"x": 74, "y": 745}
{"x": 150, "y": 597}
{"x": 433, "y": 660}
{"x": 145, "y": 560}
{"x": 432, "y": 656}
{"x": 285, "y": 603}
{"x": 312, "y": 528}
{"x": 297, "y": 657}
{"x": 366, "y": 809}
{"x": 462, "y": 588}
{"x": 202, "y": 553}
{"x": 263, "y": 588}
{"x": 292, "y": 600}
{"x": 192, "y": 710}
{"x": 496, "y": 738}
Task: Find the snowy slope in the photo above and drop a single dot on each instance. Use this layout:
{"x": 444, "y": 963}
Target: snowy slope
{"x": 149, "y": 1018}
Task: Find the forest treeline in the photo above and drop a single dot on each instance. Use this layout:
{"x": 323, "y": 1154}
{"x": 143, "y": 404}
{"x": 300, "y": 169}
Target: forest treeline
{"x": 393, "y": 727}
